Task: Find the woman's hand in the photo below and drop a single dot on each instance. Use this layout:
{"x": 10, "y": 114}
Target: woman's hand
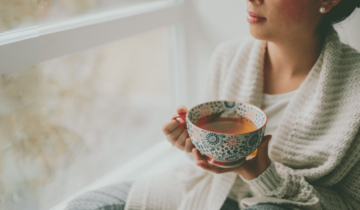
{"x": 176, "y": 133}
{"x": 251, "y": 169}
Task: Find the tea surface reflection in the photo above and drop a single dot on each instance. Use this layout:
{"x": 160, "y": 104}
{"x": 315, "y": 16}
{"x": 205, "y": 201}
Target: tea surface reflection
{"x": 233, "y": 125}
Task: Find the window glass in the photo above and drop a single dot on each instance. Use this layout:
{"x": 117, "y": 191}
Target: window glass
{"x": 68, "y": 121}
{"x": 26, "y": 13}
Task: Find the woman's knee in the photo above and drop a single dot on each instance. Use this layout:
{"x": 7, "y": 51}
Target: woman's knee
{"x": 110, "y": 197}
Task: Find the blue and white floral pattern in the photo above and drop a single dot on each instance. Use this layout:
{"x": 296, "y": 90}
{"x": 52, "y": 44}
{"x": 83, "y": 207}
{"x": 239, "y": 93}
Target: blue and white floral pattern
{"x": 214, "y": 140}
{"x": 231, "y": 157}
{"x": 189, "y": 127}
{"x": 229, "y": 104}
{"x": 215, "y": 144}
{"x": 259, "y": 116}
{"x": 251, "y": 142}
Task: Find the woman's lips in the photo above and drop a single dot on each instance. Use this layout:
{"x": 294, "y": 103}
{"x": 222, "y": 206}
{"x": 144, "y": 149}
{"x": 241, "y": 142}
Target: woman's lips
{"x": 255, "y": 18}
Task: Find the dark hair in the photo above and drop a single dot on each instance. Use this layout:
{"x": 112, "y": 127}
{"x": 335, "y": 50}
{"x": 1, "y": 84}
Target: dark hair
{"x": 338, "y": 13}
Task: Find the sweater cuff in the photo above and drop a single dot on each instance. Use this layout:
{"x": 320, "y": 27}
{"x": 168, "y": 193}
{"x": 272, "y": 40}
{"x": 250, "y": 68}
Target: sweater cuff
{"x": 268, "y": 181}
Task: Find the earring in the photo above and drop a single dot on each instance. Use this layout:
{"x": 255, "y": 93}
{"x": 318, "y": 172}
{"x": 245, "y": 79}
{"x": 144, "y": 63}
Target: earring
{"x": 322, "y": 9}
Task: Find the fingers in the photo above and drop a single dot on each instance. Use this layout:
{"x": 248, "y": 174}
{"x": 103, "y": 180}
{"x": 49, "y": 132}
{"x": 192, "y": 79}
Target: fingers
{"x": 170, "y": 126}
{"x": 202, "y": 162}
{"x": 181, "y": 110}
{"x": 263, "y": 147}
{"x": 182, "y": 122}
{"x": 181, "y": 113}
{"x": 262, "y": 154}
{"x": 176, "y": 132}
{"x": 198, "y": 155}
{"x": 180, "y": 141}
{"x": 188, "y": 145}
{"x": 174, "y": 135}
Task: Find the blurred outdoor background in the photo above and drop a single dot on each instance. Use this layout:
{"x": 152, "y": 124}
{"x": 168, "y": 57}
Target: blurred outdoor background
{"x": 68, "y": 121}
{"x": 25, "y": 13}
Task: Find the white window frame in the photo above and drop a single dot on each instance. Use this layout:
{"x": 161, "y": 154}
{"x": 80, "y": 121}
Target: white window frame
{"x": 23, "y": 48}
{"x": 20, "y": 49}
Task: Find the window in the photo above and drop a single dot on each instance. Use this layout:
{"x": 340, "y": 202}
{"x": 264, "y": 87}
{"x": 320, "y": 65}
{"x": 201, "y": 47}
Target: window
{"x": 79, "y": 116}
{"x": 15, "y": 14}
{"x": 89, "y": 94}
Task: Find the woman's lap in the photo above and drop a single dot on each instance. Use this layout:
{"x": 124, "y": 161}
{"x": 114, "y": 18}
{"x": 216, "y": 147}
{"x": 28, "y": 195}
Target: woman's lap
{"x": 113, "y": 198}
{"x": 107, "y": 198}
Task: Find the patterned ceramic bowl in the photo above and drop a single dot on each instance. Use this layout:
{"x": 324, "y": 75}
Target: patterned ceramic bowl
{"x": 222, "y": 149}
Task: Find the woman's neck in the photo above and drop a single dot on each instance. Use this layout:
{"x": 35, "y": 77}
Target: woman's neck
{"x": 293, "y": 57}
{"x": 288, "y": 62}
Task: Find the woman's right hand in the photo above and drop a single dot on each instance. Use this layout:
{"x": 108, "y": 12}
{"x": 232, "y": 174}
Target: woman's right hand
{"x": 176, "y": 133}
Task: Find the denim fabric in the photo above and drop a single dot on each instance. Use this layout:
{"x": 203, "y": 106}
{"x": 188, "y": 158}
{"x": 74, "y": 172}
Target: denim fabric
{"x": 230, "y": 204}
{"x": 265, "y": 206}
{"x": 233, "y": 205}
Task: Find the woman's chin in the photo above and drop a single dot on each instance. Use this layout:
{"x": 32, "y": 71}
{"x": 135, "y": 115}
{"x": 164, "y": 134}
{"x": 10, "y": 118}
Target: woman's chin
{"x": 259, "y": 33}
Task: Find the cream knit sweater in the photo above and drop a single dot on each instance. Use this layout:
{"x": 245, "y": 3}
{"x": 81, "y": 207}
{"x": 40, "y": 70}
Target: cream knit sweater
{"x": 315, "y": 153}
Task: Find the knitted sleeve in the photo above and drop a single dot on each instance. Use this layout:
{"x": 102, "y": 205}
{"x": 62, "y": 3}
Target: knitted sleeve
{"x": 279, "y": 184}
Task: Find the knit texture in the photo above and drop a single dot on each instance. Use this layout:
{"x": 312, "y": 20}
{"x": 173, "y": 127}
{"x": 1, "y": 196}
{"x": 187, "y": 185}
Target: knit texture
{"x": 315, "y": 152}
{"x": 107, "y": 198}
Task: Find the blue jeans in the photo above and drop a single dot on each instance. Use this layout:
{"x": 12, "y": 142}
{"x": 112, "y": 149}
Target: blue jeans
{"x": 113, "y": 198}
{"x": 233, "y": 205}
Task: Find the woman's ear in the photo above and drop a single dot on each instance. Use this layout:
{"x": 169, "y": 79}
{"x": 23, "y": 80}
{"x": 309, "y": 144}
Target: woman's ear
{"x": 327, "y": 5}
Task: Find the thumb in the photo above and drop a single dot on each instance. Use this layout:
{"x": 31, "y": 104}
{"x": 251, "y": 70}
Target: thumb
{"x": 262, "y": 152}
{"x": 181, "y": 109}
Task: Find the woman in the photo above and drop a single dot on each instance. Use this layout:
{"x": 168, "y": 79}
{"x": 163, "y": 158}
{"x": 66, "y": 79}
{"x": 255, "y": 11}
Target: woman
{"x": 308, "y": 84}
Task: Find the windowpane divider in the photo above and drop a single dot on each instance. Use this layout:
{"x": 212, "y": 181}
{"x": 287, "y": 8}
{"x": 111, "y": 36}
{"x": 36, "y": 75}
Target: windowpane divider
{"x": 27, "y": 47}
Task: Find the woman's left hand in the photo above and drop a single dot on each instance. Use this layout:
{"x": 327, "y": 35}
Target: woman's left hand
{"x": 251, "y": 169}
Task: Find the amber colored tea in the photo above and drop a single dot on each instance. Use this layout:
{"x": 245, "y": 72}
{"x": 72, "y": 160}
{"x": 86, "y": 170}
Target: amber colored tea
{"x": 233, "y": 125}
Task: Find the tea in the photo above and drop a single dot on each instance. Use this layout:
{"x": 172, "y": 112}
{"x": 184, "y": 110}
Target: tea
{"x": 233, "y": 125}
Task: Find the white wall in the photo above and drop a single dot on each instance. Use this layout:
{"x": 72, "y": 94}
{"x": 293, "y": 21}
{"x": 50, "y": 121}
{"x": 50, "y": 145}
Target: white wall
{"x": 226, "y": 19}
{"x": 215, "y": 21}
{"x": 349, "y": 30}
{"x": 212, "y": 22}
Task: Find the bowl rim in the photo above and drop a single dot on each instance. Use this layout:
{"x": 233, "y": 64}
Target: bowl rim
{"x": 187, "y": 117}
